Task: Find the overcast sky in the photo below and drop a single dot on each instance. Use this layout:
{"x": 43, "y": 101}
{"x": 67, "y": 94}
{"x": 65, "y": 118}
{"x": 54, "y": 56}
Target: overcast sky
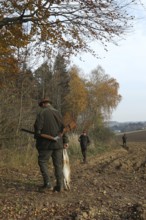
{"x": 127, "y": 64}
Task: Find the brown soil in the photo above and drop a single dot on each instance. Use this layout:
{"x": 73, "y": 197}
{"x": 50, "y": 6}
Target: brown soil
{"x": 135, "y": 136}
{"x": 111, "y": 186}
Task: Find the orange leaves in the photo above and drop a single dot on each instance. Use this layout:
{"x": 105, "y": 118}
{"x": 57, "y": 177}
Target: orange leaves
{"x": 8, "y": 64}
{"x": 65, "y": 23}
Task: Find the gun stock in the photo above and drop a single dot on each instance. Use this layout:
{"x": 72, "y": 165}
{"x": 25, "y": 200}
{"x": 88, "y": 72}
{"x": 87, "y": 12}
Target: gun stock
{"x": 72, "y": 125}
{"x": 41, "y": 135}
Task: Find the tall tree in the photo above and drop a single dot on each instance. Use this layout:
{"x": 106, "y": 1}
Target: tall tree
{"x": 103, "y": 90}
{"x": 18, "y": 97}
{"x": 60, "y": 83}
{"x": 43, "y": 76}
{"x": 77, "y": 96}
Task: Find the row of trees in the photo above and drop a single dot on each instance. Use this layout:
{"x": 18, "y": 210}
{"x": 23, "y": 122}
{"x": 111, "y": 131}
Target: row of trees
{"x": 30, "y": 28}
{"x": 74, "y": 95}
{"x": 88, "y": 102}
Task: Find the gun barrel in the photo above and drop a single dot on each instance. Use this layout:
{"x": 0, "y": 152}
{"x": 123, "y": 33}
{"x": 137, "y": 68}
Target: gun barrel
{"x": 46, "y": 136}
{"x": 28, "y": 131}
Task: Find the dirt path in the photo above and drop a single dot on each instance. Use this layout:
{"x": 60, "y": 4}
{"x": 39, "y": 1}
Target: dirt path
{"x": 110, "y": 187}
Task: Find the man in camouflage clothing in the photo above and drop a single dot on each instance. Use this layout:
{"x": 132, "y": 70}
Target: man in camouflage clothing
{"x": 49, "y": 121}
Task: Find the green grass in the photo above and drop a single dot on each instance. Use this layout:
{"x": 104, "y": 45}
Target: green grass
{"x": 27, "y": 156}
{"x": 14, "y": 157}
{"x": 93, "y": 149}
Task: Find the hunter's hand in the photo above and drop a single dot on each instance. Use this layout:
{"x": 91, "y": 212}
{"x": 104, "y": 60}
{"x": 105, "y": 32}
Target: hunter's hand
{"x": 65, "y": 145}
{"x": 56, "y": 138}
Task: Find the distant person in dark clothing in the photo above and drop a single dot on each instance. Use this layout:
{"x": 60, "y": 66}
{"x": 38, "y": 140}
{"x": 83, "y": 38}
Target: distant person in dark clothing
{"x": 124, "y": 139}
{"x": 84, "y": 142}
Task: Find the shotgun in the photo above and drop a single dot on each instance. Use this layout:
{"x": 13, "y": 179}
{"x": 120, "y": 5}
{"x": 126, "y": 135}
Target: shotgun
{"x": 41, "y": 135}
{"x": 66, "y": 129}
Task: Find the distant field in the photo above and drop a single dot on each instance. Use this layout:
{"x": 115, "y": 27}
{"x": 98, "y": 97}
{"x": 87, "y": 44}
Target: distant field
{"x": 135, "y": 136}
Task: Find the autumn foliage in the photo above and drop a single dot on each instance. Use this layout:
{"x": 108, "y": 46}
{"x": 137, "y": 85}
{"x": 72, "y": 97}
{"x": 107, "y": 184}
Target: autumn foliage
{"x": 30, "y": 29}
{"x": 46, "y": 25}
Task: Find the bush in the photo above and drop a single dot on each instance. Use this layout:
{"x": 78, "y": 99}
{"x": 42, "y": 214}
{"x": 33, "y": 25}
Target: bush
{"x": 26, "y": 156}
{"x": 17, "y": 157}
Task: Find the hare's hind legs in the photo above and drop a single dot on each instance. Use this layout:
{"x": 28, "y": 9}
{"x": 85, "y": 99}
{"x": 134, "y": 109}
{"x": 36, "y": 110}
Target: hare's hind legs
{"x": 66, "y": 185}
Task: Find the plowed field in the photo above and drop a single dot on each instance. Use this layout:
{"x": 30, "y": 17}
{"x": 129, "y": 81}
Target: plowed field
{"x": 111, "y": 186}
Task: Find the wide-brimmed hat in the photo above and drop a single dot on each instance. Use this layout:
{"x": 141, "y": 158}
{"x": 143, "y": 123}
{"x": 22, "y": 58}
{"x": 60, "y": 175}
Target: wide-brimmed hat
{"x": 45, "y": 100}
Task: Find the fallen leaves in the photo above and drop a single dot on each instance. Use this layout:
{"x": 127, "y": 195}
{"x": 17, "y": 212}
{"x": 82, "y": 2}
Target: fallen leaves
{"x": 98, "y": 190}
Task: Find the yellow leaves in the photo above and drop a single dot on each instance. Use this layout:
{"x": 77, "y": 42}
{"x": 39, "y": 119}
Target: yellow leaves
{"x": 77, "y": 97}
{"x": 108, "y": 92}
{"x": 104, "y": 90}
{"x": 94, "y": 98}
